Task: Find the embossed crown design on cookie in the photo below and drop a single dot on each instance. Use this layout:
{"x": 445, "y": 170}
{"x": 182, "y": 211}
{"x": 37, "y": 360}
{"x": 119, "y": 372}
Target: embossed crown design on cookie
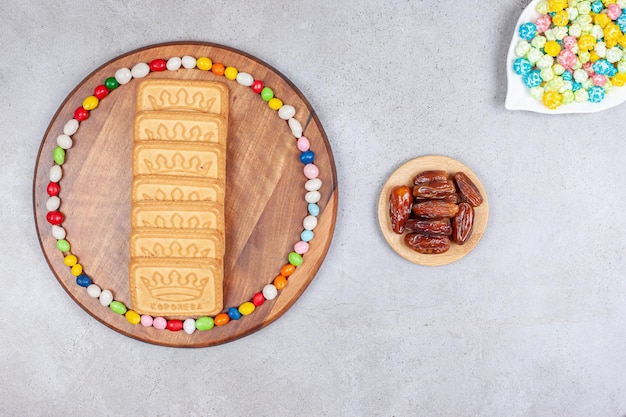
{"x": 167, "y": 100}
{"x": 174, "y": 286}
{"x": 177, "y": 164}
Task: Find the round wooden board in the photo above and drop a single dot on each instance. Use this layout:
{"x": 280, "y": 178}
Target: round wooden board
{"x": 404, "y": 176}
{"x": 264, "y": 206}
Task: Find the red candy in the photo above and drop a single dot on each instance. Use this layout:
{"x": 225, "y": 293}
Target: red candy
{"x": 81, "y": 114}
{"x": 257, "y": 86}
{"x": 53, "y": 189}
{"x": 158, "y": 65}
{"x": 100, "y": 92}
{"x": 54, "y": 217}
{"x": 258, "y": 299}
{"x": 174, "y": 325}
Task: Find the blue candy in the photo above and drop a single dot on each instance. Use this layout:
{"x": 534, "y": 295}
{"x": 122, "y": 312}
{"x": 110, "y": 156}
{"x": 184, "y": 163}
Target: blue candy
{"x": 612, "y": 71}
{"x": 621, "y": 21}
{"x": 533, "y": 79}
{"x": 528, "y": 31}
{"x": 314, "y": 209}
{"x": 596, "y": 94}
{"x": 83, "y": 280}
{"x": 522, "y": 66}
{"x": 576, "y": 86}
{"x": 601, "y": 66}
{"x": 307, "y": 235}
{"x": 597, "y": 6}
{"x": 307, "y": 157}
{"x": 233, "y": 313}
{"x": 567, "y": 76}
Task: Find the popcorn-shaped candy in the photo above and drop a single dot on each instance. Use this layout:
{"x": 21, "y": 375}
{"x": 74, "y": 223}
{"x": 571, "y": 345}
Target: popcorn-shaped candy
{"x": 613, "y": 11}
{"x": 560, "y": 18}
{"x": 576, "y": 86}
{"x": 622, "y": 42}
{"x": 570, "y": 43}
{"x": 538, "y": 41}
{"x": 527, "y": 31}
{"x": 558, "y": 69}
{"x": 607, "y": 87}
{"x": 556, "y": 84}
{"x": 588, "y": 67}
{"x": 601, "y": 19}
{"x": 584, "y": 19}
{"x": 572, "y": 13}
{"x": 621, "y": 67}
{"x": 575, "y": 30}
{"x": 543, "y": 23}
{"x": 567, "y": 97}
{"x": 584, "y": 57}
{"x": 522, "y": 48}
{"x": 600, "y": 49}
{"x": 567, "y": 59}
{"x": 580, "y": 75}
{"x": 534, "y": 55}
{"x": 549, "y": 34}
{"x": 584, "y": 7}
{"x": 552, "y": 48}
{"x": 546, "y": 74}
{"x": 522, "y": 66}
{"x": 599, "y": 80}
{"x": 619, "y": 79}
{"x": 586, "y": 42}
{"x": 552, "y": 99}
{"x": 614, "y": 54}
{"x": 597, "y": 32}
{"x": 557, "y": 5}
{"x": 596, "y": 94}
{"x": 602, "y": 67}
{"x": 533, "y": 79}
{"x": 536, "y": 93}
{"x": 621, "y": 3}
{"x": 612, "y": 33}
{"x": 567, "y": 86}
{"x": 560, "y": 33}
{"x": 546, "y": 61}
{"x": 621, "y": 22}
{"x": 566, "y": 75}
{"x": 587, "y": 84}
{"x": 597, "y": 6}
{"x": 581, "y": 95}
{"x": 542, "y": 7}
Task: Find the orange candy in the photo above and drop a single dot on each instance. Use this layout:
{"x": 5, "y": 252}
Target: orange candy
{"x": 280, "y": 282}
{"x": 287, "y": 270}
{"x": 221, "y": 319}
{"x": 218, "y": 69}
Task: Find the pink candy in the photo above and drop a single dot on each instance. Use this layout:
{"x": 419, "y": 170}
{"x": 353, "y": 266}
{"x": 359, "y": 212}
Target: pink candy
{"x": 303, "y": 144}
{"x": 311, "y": 171}
{"x": 598, "y": 79}
{"x": 146, "y": 320}
{"x": 613, "y": 11}
{"x": 588, "y": 68}
{"x": 159, "y": 323}
{"x": 570, "y": 42}
{"x": 567, "y": 59}
{"x": 543, "y": 23}
{"x": 301, "y": 247}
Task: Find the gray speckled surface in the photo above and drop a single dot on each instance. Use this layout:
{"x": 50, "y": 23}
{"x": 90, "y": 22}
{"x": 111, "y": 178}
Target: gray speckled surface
{"x": 532, "y": 322}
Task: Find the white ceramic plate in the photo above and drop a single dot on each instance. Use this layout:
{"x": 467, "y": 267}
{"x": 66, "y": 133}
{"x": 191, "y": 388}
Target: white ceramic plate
{"x": 518, "y": 95}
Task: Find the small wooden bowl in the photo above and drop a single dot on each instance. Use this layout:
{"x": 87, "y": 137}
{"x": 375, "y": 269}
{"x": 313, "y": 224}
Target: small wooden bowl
{"x": 404, "y": 176}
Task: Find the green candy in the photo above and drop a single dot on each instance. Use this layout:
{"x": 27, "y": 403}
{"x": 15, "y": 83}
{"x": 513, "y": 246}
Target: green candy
{"x": 111, "y": 83}
{"x": 58, "y": 155}
{"x": 295, "y": 259}
{"x": 117, "y": 307}
{"x": 63, "y": 245}
{"x": 204, "y": 323}
{"x": 267, "y": 94}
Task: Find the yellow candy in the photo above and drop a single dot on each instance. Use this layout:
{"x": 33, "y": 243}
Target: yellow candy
{"x": 77, "y": 270}
{"x": 275, "y": 103}
{"x": 586, "y": 42}
{"x": 593, "y": 57}
{"x": 552, "y": 99}
{"x": 560, "y": 18}
{"x": 612, "y": 32}
{"x": 90, "y": 103}
{"x": 70, "y": 260}
{"x": 601, "y": 19}
{"x": 552, "y": 48}
{"x": 132, "y": 317}
{"x": 204, "y": 63}
{"x": 246, "y": 308}
{"x": 557, "y": 5}
{"x": 622, "y": 41}
{"x": 619, "y": 79}
{"x": 231, "y": 73}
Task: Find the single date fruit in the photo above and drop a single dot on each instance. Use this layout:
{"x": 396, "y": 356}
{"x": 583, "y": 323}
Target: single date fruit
{"x": 400, "y": 202}
{"x": 468, "y": 190}
{"x": 428, "y": 176}
{"x": 440, "y": 227}
{"x": 434, "y": 209}
{"x": 434, "y": 189}
{"x": 427, "y": 244}
{"x": 462, "y": 224}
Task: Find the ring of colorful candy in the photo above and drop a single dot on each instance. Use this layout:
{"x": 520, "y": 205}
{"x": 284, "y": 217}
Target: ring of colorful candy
{"x": 310, "y": 170}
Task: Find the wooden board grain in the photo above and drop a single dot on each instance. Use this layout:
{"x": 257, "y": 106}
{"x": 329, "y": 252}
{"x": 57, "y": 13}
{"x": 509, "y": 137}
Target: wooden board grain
{"x": 264, "y": 205}
{"x": 404, "y": 176}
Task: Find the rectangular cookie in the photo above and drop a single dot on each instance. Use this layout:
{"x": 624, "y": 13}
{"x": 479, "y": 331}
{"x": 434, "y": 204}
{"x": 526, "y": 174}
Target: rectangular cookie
{"x": 168, "y": 188}
{"x": 203, "y": 160}
{"x": 178, "y": 215}
{"x": 176, "y": 287}
{"x": 183, "y": 95}
{"x": 180, "y": 126}
{"x": 176, "y": 243}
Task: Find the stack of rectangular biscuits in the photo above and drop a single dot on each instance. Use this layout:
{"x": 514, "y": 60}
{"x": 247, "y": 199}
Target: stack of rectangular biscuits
{"x": 177, "y": 237}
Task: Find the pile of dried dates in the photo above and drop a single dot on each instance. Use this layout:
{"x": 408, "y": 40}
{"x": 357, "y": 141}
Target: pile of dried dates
{"x": 437, "y": 210}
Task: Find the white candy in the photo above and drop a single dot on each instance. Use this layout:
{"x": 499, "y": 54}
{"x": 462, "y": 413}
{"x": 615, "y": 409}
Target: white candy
{"x": 71, "y": 127}
{"x": 309, "y": 222}
{"x": 53, "y": 203}
{"x": 188, "y": 62}
{"x": 296, "y": 127}
{"x": 245, "y": 79}
{"x": 312, "y": 197}
{"x": 270, "y": 292}
{"x": 189, "y": 326}
{"x": 174, "y": 63}
{"x": 106, "y": 298}
{"x": 64, "y": 141}
{"x": 140, "y": 70}
{"x": 55, "y": 173}
{"x": 94, "y": 291}
{"x": 58, "y": 232}
{"x": 313, "y": 184}
{"x": 123, "y": 76}
{"x": 286, "y": 112}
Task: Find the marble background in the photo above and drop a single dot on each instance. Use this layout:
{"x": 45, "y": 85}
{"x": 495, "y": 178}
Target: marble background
{"x": 531, "y": 323}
